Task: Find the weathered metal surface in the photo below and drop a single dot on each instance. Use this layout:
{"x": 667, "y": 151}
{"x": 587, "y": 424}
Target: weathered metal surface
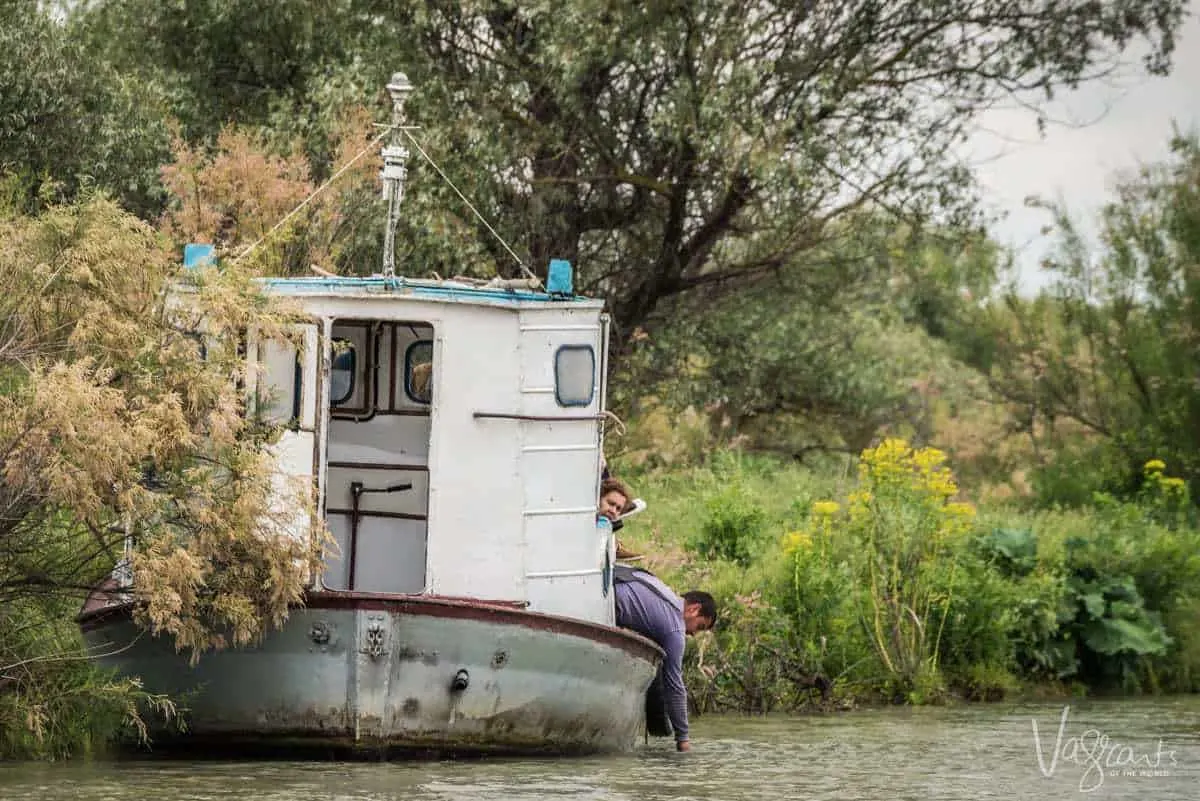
{"x": 397, "y": 678}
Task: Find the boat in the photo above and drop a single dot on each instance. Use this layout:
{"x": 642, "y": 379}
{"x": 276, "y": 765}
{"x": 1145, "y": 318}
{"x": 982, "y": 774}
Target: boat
{"x": 453, "y": 431}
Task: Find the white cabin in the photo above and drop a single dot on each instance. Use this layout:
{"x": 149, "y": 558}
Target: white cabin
{"x": 455, "y": 436}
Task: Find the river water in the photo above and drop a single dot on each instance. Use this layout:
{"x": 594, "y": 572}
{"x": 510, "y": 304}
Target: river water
{"x": 1147, "y": 750}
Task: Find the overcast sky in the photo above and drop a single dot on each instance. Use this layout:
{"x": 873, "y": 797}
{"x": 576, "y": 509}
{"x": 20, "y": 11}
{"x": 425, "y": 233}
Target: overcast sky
{"x": 1117, "y": 124}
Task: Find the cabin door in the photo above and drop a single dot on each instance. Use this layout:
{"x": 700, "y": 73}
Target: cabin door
{"x": 285, "y": 393}
{"x": 567, "y": 558}
{"x": 376, "y": 498}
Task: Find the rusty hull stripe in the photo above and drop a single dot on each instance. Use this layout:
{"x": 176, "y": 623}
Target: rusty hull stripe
{"x": 510, "y": 612}
{"x": 488, "y": 611}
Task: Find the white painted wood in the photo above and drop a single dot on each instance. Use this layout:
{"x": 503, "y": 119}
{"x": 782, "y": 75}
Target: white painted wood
{"x": 565, "y": 552}
{"x": 503, "y": 474}
{"x": 385, "y": 439}
{"x": 273, "y": 367}
{"x": 475, "y": 499}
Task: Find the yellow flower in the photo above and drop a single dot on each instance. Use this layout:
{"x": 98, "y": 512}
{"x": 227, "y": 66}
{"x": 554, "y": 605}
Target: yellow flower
{"x": 826, "y": 508}
{"x": 859, "y": 498}
{"x": 795, "y": 541}
{"x": 886, "y": 462}
{"x": 941, "y": 484}
{"x": 928, "y": 459}
{"x": 1155, "y": 465}
{"x": 959, "y": 510}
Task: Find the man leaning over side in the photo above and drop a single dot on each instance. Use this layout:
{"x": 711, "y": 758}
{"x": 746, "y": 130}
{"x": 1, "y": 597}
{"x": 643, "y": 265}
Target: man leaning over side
{"x": 646, "y": 605}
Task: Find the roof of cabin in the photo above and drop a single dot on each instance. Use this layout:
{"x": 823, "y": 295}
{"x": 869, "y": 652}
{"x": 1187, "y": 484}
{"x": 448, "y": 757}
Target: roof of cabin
{"x": 418, "y": 289}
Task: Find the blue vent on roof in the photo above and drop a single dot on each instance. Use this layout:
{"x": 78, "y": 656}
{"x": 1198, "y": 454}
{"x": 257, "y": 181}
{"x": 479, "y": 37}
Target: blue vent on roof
{"x": 198, "y": 256}
{"x": 560, "y": 280}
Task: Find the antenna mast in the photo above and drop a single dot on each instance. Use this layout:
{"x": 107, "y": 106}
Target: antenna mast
{"x": 395, "y": 155}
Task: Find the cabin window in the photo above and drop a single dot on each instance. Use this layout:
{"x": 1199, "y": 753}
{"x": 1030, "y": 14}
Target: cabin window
{"x": 418, "y": 371}
{"x": 341, "y": 374}
{"x": 278, "y": 383}
{"x": 574, "y": 375}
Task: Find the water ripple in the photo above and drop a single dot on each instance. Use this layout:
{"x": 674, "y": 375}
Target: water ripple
{"x": 948, "y": 754}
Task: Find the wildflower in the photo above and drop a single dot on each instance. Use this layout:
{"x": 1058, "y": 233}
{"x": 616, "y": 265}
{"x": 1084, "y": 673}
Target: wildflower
{"x": 860, "y": 498}
{"x": 826, "y": 508}
{"x": 796, "y": 541}
{"x": 959, "y": 510}
{"x": 928, "y": 459}
{"x": 956, "y": 519}
{"x": 860, "y": 504}
{"x": 886, "y": 463}
{"x": 1155, "y": 466}
{"x": 940, "y": 484}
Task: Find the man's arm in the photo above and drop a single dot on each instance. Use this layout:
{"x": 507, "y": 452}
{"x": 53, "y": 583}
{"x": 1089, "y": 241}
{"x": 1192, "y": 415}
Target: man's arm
{"x": 674, "y": 692}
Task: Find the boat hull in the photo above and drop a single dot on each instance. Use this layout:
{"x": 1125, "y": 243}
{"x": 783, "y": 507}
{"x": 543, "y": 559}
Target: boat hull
{"x": 379, "y": 675}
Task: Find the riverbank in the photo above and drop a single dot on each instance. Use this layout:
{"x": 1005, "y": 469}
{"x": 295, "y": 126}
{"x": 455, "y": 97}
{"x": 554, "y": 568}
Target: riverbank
{"x": 881, "y": 582}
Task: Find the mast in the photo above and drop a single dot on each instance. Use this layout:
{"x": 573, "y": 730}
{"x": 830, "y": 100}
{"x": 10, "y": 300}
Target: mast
{"x": 395, "y": 155}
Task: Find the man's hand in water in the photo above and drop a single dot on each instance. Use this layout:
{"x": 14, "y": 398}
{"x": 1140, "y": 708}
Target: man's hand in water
{"x": 683, "y": 745}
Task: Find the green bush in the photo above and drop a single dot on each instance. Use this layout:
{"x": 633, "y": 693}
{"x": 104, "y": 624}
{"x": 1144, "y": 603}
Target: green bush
{"x": 886, "y": 595}
{"x": 733, "y": 528}
{"x": 977, "y": 652}
{"x": 54, "y": 702}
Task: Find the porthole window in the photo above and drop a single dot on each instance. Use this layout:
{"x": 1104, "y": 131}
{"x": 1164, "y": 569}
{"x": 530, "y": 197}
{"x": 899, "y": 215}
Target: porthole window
{"x": 574, "y": 375}
{"x": 418, "y": 371}
{"x": 341, "y": 374}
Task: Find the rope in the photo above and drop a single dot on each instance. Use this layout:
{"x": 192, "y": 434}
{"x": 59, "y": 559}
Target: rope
{"x": 370, "y": 145}
{"x": 618, "y": 424}
{"x": 307, "y": 200}
{"x": 528, "y": 273}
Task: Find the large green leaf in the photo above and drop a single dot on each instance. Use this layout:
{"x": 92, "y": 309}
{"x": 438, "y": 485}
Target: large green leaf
{"x": 1110, "y": 636}
{"x": 1094, "y": 603}
{"x": 1013, "y": 548}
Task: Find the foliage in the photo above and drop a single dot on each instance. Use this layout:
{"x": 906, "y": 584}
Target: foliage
{"x": 768, "y": 196}
{"x": 1101, "y": 369}
{"x": 753, "y": 666}
{"x": 666, "y": 148}
{"x": 53, "y": 702}
{"x": 112, "y": 422}
{"x": 902, "y": 517}
{"x": 256, "y": 62}
{"x": 264, "y": 209}
{"x": 801, "y": 363}
{"x": 68, "y": 120}
{"x": 733, "y": 527}
{"x": 1098, "y": 600}
{"x": 818, "y": 589}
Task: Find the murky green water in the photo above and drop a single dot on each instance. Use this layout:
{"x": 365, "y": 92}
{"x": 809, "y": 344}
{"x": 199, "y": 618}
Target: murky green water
{"x": 1144, "y": 750}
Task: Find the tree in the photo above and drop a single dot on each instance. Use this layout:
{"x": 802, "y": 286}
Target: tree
{"x": 68, "y": 120}
{"x": 858, "y": 338}
{"x": 674, "y": 146}
{"x": 113, "y": 423}
{"x": 670, "y": 147}
{"x": 1107, "y": 358}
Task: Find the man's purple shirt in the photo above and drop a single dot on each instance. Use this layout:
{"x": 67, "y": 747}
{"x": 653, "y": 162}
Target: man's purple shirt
{"x": 641, "y": 609}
